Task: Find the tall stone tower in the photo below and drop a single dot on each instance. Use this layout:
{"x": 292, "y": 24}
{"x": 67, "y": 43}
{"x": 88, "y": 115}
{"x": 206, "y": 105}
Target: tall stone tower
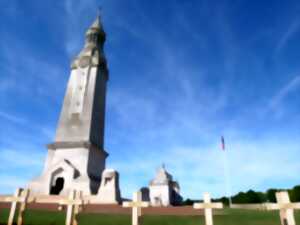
{"x": 82, "y": 117}
{"x": 76, "y": 159}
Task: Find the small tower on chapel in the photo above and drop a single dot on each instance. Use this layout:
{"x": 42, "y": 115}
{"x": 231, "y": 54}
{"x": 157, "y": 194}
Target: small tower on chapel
{"x": 163, "y": 190}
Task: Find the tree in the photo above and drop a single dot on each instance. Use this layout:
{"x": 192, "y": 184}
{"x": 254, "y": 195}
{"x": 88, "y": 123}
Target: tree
{"x": 224, "y": 200}
{"x": 255, "y": 197}
{"x": 249, "y": 197}
{"x": 295, "y": 194}
{"x": 188, "y": 202}
{"x": 240, "y": 198}
{"x": 271, "y": 197}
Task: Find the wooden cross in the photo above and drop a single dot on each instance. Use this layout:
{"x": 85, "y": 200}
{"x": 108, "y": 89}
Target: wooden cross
{"x": 20, "y": 196}
{"x": 137, "y": 204}
{"x": 73, "y": 204}
{"x": 208, "y": 206}
{"x": 286, "y": 208}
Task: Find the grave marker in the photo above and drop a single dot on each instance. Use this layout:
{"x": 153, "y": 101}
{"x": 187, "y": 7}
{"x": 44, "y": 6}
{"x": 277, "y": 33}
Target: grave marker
{"x": 73, "y": 204}
{"x": 208, "y": 206}
{"x": 25, "y": 195}
{"x": 13, "y": 207}
{"x": 286, "y": 208}
{"x": 137, "y": 204}
{"x": 286, "y": 215}
{"x": 77, "y": 207}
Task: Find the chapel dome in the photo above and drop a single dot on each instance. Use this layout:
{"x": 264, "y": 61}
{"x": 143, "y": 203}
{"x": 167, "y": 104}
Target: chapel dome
{"x": 162, "y": 177}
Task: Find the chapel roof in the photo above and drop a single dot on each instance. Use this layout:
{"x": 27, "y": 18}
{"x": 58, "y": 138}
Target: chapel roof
{"x": 161, "y": 177}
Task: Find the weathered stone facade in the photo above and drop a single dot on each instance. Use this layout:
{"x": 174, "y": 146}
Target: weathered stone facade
{"x": 163, "y": 190}
{"x": 76, "y": 159}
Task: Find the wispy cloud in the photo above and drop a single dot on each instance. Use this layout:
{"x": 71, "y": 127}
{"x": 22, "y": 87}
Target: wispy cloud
{"x": 288, "y": 88}
{"x": 288, "y": 35}
{"x": 10, "y": 183}
{"x": 13, "y": 118}
{"x": 74, "y": 23}
{"x": 22, "y": 123}
{"x": 17, "y": 159}
{"x": 38, "y": 75}
{"x": 18, "y": 166}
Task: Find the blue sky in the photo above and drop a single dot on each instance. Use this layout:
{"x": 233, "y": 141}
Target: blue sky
{"x": 182, "y": 73}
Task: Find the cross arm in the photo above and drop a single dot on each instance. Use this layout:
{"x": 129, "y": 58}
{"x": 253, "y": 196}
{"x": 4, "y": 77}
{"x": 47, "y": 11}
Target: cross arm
{"x": 212, "y": 205}
{"x": 276, "y": 206}
{"x": 60, "y": 200}
{"x": 48, "y": 199}
{"x": 71, "y": 202}
{"x": 12, "y": 199}
{"x": 135, "y": 204}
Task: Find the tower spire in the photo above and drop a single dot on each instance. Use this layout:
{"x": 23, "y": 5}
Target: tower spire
{"x": 95, "y": 33}
{"x": 92, "y": 53}
{"x": 97, "y": 24}
{"x": 99, "y": 11}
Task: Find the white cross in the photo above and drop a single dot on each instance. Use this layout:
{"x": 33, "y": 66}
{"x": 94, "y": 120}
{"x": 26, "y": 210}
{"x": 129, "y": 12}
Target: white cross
{"x": 286, "y": 208}
{"x": 137, "y": 204}
{"x": 73, "y": 203}
{"x": 20, "y": 196}
{"x": 208, "y": 206}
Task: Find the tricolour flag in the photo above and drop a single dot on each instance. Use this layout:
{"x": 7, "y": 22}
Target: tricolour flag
{"x": 222, "y": 143}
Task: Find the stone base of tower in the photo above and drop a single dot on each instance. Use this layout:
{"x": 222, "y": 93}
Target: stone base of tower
{"x": 109, "y": 191}
{"x": 70, "y": 165}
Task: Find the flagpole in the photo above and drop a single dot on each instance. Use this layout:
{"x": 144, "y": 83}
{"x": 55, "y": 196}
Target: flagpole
{"x": 226, "y": 172}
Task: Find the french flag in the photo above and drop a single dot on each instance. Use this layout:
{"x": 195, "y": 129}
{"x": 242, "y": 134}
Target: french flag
{"x": 222, "y": 143}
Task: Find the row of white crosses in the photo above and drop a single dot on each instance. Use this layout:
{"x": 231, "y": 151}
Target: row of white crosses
{"x": 137, "y": 204}
{"x": 75, "y": 202}
{"x": 21, "y": 197}
{"x": 283, "y": 204}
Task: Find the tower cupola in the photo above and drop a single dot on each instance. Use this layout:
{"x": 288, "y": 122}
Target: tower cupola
{"x": 95, "y": 35}
{"x": 92, "y": 53}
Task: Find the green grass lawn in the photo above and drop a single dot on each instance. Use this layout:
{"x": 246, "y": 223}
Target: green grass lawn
{"x": 231, "y": 217}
